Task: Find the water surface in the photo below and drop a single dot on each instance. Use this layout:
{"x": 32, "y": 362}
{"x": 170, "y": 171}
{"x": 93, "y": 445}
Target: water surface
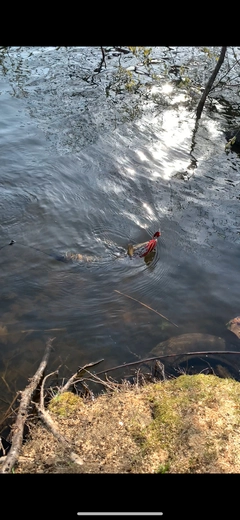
{"x": 70, "y": 181}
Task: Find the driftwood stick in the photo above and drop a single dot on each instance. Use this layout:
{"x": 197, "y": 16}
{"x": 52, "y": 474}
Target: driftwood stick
{"x": 42, "y": 387}
{"x": 147, "y": 306}
{"x": 203, "y": 353}
{"x": 22, "y": 412}
{"x": 77, "y": 375}
{"x": 52, "y": 426}
{"x": 44, "y": 415}
{"x": 20, "y": 459}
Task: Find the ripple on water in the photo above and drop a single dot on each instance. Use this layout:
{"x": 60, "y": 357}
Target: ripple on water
{"x": 13, "y": 205}
{"x": 117, "y": 190}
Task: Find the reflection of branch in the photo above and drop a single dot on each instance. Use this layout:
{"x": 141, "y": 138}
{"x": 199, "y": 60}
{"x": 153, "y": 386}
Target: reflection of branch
{"x": 193, "y": 163}
{"x": 30, "y": 331}
{"x": 4, "y": 380}
{"x": 9, "y": 411}
{"x": 98, "y": 69}
{"x": 209, "y": 86}
{"x": 210, "y": 82}
{"x": 223, "y": 76}
{"x": 6, "y": 365}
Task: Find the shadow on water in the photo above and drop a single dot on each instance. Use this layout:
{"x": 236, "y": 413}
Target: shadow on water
{"x": 120, "y": 189}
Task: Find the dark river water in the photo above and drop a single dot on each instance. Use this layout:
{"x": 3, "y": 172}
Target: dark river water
{"x": 73, "y": 180}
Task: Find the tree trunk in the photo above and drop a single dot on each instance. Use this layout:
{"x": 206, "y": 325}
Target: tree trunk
{"x": 210, "y": 82}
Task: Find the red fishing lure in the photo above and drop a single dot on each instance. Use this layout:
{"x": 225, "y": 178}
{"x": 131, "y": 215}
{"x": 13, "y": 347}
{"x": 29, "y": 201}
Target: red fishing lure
{"x": 149, "y": 246}
{"x": 145, "y": 248}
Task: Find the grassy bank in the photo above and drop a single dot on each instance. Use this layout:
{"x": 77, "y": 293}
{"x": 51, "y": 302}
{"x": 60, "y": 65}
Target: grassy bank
{"x": 190, "y": 424}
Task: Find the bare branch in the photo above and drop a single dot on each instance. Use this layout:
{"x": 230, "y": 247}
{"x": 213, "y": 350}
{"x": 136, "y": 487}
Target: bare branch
{"x": 42, "y": 387}
{"x": 52, "y": 426}
{"x": 22, "y": 412}
{"x": 76, "y": 376}
{"x": 146, "y": 360}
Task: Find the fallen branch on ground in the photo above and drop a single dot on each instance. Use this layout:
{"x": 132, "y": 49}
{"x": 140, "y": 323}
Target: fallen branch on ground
{"x": 22, "y": 412}
{"x": 52, "y": 426}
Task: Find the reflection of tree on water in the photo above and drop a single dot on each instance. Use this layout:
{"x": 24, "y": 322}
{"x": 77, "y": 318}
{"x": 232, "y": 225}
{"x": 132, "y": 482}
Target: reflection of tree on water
{"x": 119, "y": 87}
{"x": 193, "y": 163}
{"x": 15, "y": 70}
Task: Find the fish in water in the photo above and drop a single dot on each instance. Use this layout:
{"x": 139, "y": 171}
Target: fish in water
{"x": 143, "y": 249}
{"x": 71, "y": 257}
{"x": 137, "y": 250}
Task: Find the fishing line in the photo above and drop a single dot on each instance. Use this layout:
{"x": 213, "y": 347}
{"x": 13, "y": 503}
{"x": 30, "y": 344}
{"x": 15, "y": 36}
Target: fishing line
{"x": 56, "y": 256}
{"x": 10, "y": 244}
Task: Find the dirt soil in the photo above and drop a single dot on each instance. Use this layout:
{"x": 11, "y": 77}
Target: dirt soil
{"x": 190, "y": 424}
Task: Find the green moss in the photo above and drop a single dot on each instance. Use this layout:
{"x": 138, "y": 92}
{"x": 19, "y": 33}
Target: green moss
{"x": 172, "y": 402}
{"x": 65, "y": 404}
{"x": 163, "y": 468}
{"x": 166, "y": 419}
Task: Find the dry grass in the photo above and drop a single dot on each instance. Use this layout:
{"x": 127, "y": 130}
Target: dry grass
{"x": 187, "y": 425}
